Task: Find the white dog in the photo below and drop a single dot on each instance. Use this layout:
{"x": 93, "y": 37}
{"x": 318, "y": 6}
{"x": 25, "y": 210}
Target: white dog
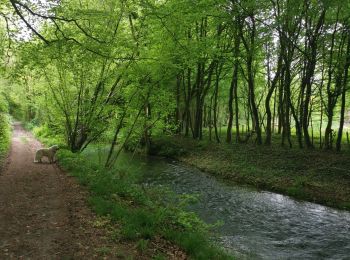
{"x": 46, "y": 152}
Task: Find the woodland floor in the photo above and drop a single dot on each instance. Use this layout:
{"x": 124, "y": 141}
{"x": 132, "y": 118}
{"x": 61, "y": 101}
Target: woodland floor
{"x": 44, "y": 213}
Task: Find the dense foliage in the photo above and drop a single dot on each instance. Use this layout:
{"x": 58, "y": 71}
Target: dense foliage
{"x": 119, "y": 73}
{"x": 122, "y": 71}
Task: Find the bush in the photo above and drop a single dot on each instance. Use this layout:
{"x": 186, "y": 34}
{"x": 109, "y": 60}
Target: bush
{"x": 46, "y": 134}
{"x": 5, "y": 134}
{"x": 166, "y": 147}
{"x": 4, "y": 106}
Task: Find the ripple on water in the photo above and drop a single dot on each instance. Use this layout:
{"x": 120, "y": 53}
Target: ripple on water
{"x": 260, "y": 225}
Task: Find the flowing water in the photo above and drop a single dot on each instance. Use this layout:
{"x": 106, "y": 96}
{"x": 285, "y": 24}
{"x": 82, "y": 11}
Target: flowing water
{"x": 257, "y": 224}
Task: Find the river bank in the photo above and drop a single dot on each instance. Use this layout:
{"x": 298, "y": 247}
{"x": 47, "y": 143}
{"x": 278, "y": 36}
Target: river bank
{"x": 154, "y": 219}
{"x": 312, "y": 175}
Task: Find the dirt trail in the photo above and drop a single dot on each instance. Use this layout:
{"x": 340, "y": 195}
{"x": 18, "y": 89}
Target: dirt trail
{"x": 43, "y": 213}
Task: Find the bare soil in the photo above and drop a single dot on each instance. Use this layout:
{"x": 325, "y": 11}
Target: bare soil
{"x": 44, "y": 214}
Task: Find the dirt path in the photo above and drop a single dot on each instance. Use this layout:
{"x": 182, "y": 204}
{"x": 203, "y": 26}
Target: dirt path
{"x": 43, "y": 213}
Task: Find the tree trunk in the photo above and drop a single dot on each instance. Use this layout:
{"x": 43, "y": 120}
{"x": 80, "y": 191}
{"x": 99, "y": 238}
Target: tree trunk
{"x": 237, "y": 115}
{"x": 233, "y": 86}
{"x": 216, "y": 94}
{"x": 343, "y": 97}
{"x": 268, "y": 99}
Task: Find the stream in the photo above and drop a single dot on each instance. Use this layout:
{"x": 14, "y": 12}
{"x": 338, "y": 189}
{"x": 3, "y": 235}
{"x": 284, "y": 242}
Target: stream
{"x": 256, "y": 224}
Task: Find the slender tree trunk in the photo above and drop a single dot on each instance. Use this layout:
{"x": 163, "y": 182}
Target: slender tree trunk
{"x": 230, "y": 114}
{"x": 330, "y": 97}
{"x": 216, "y": 94}
{"x": 177, "y": 112}
{"x": 343, "y": 97}
{"x": 237, "y": 114}
{"x": 268, "y": 99}
{"x": 234, "y": 85}
{"x": 250, "y": 46}
{"x": 210, "y": 118}
{"x": 274, "y": 111}
{"x": 198, "y": 112}
{"x": 329, "y": 131}
{"x": 341, "y": 122}
{"x": 188, "y": 102}
{"x": 309, "y": 73}
{"x": 321, "y": 123}
{"x": 280, "y": 106}
{"x": 147, "y": 130}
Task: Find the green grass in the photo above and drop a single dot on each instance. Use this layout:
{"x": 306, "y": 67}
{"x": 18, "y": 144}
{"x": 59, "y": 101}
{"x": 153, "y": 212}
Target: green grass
{"x": 314, "y": 175}
{"x": 276, "y": 138}
{"x": 140, "y": 212}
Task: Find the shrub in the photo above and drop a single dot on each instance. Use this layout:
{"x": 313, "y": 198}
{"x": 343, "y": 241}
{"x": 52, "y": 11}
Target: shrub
{"x": 47, "y": 135}
{"x": 5, "y": 134}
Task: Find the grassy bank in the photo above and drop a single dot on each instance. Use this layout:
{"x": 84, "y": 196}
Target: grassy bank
{"x": 5, "y": 129}
{"x": 140, "y": 212}
{"x": 313, "y": 175}
{"x": 5, "y": 135}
